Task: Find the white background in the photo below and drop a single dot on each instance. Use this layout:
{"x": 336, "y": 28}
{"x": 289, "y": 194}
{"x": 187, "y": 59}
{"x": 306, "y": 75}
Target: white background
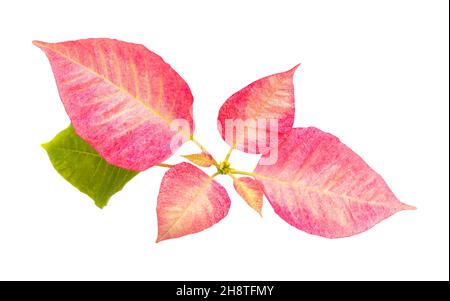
{"x": 374, "y": 73}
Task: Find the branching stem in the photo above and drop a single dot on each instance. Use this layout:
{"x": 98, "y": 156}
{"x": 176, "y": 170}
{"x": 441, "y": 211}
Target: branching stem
{"x": 224, "y": 167}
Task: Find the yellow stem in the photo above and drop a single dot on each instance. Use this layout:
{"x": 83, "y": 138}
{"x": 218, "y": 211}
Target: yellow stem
{"x": 199, "y": 144}
{"x": 238, "y": 172}
{"x": 213, "y": 175}
{"x": 233, "y": 177}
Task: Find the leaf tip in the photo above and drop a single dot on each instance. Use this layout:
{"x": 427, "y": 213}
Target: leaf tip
{"x": 161, "y": 236}
{"x": 408, "y": 207}
{"x": 159, "y": 239}
{"x": 293, "y": 69}
{"x": 39, "y": 44}
{"x": 100, "y": 205}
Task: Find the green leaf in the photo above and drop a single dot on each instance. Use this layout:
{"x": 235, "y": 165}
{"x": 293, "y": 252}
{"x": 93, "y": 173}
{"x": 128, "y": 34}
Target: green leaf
{"x": 75, "y": 160}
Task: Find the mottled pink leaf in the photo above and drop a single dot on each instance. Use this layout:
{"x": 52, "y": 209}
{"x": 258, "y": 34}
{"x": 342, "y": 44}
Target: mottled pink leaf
{"x": 259, "y": 112}
{"x": 121, "y": 99}
{"x": 250, "y": 190}
{"x": 321, "y": 186}
{"x": 189, "y": 201}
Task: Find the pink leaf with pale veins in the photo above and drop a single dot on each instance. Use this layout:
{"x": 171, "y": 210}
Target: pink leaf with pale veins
{"x": 189, "y": 201}
{"x": 322, "y": 187}
{"x": 255, "y": 118}
{"x": 121, "y": 99}
{"x": 250, "y": 190}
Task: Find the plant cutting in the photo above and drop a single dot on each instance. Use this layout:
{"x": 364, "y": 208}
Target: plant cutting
{"x": 131, "y": 111}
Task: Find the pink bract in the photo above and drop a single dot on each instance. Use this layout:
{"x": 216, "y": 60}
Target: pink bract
{"x": 250, "y": 190}
{"x": 121, "y": 99}
{"x": 259, "y": 105}
{"x": 189, "y": 201}
{"x": 322, "y": 187}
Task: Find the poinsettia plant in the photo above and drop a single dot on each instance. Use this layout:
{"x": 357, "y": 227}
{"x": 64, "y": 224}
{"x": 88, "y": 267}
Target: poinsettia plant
{"x": 130, "y": 111}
